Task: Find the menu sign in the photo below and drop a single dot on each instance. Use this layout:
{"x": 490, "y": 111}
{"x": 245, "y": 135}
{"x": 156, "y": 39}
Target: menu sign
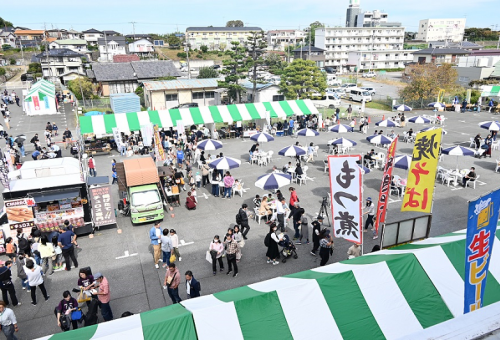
{"x": 19, "y": 213}
{"x": 102, "y": 206}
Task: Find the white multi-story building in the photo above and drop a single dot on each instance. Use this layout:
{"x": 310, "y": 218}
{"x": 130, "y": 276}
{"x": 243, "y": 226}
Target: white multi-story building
{"x": 218, "y": 38}
{"x": 441, "y": 30}
{"x": 375, "y": 18}
{"x": 277, "y": 40}
{"x": 339, "y": 41}
{"x": 111, "y": 46}
{"x": 376, "y": 60}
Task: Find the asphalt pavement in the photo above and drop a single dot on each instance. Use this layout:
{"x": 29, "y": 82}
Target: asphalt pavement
{"x": 126, "y": 260}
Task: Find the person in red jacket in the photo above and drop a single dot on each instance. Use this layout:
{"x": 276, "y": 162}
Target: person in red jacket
{"x": 190, "y": 201}
{"x": 91, "y": 164}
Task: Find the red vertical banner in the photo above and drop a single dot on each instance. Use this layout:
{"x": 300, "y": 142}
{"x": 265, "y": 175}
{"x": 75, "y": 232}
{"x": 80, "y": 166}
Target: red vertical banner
{"x": 385, "y": 187}
{"x": 36, "y": 103}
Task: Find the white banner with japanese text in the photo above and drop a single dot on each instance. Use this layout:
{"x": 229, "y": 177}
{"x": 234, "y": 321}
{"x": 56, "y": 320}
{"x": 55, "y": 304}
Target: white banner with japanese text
{"x": 346, "y": 197}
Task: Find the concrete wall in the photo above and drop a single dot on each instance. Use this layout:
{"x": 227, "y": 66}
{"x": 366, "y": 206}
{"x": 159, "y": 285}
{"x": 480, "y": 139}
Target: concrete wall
{"x": 468, "y": 74}
{"x": 196, "y": 64}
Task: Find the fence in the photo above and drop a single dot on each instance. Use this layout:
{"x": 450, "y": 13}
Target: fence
{"x": 101, "y": 103}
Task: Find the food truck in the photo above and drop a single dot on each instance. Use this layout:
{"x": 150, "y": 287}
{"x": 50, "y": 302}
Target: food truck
{"x": 44, "y": 194}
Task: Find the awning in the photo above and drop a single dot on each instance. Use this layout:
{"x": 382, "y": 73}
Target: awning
{"x": 55, "y": 195}
{"x": 126, "y": 122}
{"x": 490, "y": 91}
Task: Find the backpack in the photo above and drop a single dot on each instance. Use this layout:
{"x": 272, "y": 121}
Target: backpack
{"x": 267, "y": 240}
{"x": 23, "y": 242}
{"x": 238, "y": 219}
{"x": 65, "y": 321}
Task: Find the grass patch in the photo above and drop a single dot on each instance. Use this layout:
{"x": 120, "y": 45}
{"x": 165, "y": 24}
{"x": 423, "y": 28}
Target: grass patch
{"x": 378, "y": 106}
{"x": 172, "y": 55}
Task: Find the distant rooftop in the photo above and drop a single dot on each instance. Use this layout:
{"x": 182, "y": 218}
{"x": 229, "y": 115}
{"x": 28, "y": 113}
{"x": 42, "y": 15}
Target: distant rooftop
{"x": 180, "y": 84}
{"x": 440, "y": 51}
{"x": 223, "y": 29}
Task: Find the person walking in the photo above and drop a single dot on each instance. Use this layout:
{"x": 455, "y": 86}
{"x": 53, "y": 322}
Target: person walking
{"x": 65, "y": 242}
{"x": 20, "y": 262}
{"x": 293, "y": 199}
{"x": 242, "y": 220}
{"x": 228, "y": 185}
{"x": 193, "y": 287}
{"x": 271, "y": 242}
{"x": 216, "y": 249}
{"x": 231, "y": 250}
{"x": 67, "y": 138}
{"x": 172, "y": 281}
{"x": 326, "y": 246}
{"x": 175, "y": 244}
{"x": 24, "y": 245}
{"x": 10, "y": 248}
{"x": 297, "y": 218}
{"x": 91, "y": 164}
{"x": 291, "y": 124}
{"x": 280, "y": 213}
{"x": 315, "y": 234}
{"x": 304, "y": 230}
{"x": 370, "y": 214}
{"x": 35, "y": 279}
{"x": 180, "y": 157}
{"x": 402, "y": 120}
{"x": 67, "y": 305}
{"x": 166, "y": 247}
{"x": 490, "y": 105}
{"x": 7, "y": 285}
{"x": 46, "y": 250}
{"x": 103, "y": 295}
{"x": 8, "y": 322}
{"x": 155, "y": 237}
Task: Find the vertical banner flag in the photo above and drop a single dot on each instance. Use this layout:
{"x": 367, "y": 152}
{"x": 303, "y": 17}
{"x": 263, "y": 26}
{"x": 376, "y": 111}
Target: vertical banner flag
{"x": 36, "y": 103}
{"x": 160, "y": 153}
{"x": 481, "y": 228}
{"x": 346, "y": 200}
{"x": 385, "y": 187}
{"x": 422, "y": 174}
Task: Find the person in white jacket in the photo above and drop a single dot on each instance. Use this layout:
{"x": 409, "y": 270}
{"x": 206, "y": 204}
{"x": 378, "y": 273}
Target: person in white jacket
{"x": 175, "y": 244}
{"x": 35, "y": 279}
{"x": 47, "y": 251}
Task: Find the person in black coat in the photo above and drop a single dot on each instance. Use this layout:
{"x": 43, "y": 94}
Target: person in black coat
{"x": 245, "y": 228}
{"x": 193, "y": 287}
{"x": 315, "y": 234}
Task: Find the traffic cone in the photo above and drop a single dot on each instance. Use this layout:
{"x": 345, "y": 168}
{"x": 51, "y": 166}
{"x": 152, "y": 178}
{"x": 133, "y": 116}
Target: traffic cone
{"x": 383, "y": 117}
{"x": 369, "y": 120}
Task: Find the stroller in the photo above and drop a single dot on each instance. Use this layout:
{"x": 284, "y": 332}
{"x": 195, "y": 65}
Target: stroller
{"x": 288, "y": 248}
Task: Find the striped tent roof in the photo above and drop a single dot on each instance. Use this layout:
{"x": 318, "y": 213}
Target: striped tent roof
{"x": 132, "y": 121}
{"x": 384, "y": 295}
{"x": 43, "y": 86}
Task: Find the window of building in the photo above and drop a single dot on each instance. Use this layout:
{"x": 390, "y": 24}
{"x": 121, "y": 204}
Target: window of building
{"x": 197, "y": 95}
{"x": 210, "y": 94}
{"x": 171, "y": 97}
{"x": 387, "y": 55}
{"x": 279, "y": 97}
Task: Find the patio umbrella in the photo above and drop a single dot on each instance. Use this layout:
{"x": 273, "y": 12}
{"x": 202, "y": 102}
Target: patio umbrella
{"x": 23, "y": 137}
{"x": 402, "y": 162}
{"x": 209, "y": 144}
{"x": 343, "y": 142}
{"x": 490, "y": 125}
{"x": 379, "y": 139}
{"x": 273, "y": 181}
{"x": 459, "y": 151}
{"x": 340, "y": 128}
{"x": 436, "y": 104}
{"x": 419, "y": 120}
{"x": 224, "y": 163}
{"x": 308, "y": 133}
{"x": 292, "y": 151}
{"x": 262, "y": 137}
{"x": 433, "y": 128}
{"x": 387, "y": 123}
{"x": 402, "y": 108}
{"x": 19, "y": 140}
{"x": 364, "y": 169}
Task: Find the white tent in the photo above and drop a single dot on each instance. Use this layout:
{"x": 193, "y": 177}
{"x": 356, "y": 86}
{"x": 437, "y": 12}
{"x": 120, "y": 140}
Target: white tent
{"x": 41, "y": 99}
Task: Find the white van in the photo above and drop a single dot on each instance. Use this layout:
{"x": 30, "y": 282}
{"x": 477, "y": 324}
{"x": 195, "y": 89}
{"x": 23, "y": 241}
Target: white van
{"x": 331, "y": 80}
{"x": 358, "y": 95}
{"x": 330, "y": 100}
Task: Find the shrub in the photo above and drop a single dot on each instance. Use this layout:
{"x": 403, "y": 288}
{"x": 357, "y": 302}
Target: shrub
{"x": 204, "y": 48}
{"x": 199, "y": 56}
{"x": 219, "y": 54}
{"x": 2, "y": 71}
{"x": 12, "y": 61}
{"x": 182, "y": 55}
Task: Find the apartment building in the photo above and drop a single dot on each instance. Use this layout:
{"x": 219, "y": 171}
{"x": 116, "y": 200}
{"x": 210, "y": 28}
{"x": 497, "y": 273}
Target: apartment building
{"x": 375, "y": 60}
{"x": 339, "y": 41}
{"x": 278, "y": 40}
{"x": 218, "y": 38}
{"x": 441, "y": 30}
{"x": 60, "y": 64}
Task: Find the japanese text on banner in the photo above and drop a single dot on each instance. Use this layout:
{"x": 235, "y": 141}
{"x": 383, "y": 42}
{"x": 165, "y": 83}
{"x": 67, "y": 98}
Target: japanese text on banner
{"x": 159, "y": 152}
{"x": 385, "y": 187}
{"x": 345, "y": 189}
{"x": 481, "y": 228}
{"x": 422, "y": 174}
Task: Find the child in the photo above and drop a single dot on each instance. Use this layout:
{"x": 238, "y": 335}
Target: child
{"x": 198, "y": 180}
{"x": 10, "y": 248}
{"x": 54, "y": 128}
{"x": 193, "y": 193}
{"x": 58, "y": 251}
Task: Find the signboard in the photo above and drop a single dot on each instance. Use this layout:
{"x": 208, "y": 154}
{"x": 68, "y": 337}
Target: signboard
{"x": 4, "y": 171}
{"x": 481, "y": 228}
{"x": 422, "y": 174}
{"x": 385, "y": 187}
{"x": 20, "y": 214}
{"x": 102, "y": 206}
{"x": 159, "y": 152}
{"x": 345, "y": 190}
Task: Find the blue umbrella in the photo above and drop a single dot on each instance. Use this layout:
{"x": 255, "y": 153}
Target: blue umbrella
{"x": 458, "y": 151}
{"x": 402, "y": 162}
{"x": 444, "y": 132}
{"x": 308, "y": 133}
{"x": 436, "y": 104}
{"x": 343, "y": 141}
{"x": 419, "y": 120}
{"x": 93, "y": 113}
{"x": 224, "y": 163}
{"x": 341, "y": 128}
{"x": 292, "y": 150}
{"x": 273, "y": 181}
{"x": 209, "y": 144}
{"x": 262, "y": 137}
{"x": 387, "y": 123}
{"x": 379, "y": 139}
{"x": 402, "y": 108}
{"x": 490, "y": 125}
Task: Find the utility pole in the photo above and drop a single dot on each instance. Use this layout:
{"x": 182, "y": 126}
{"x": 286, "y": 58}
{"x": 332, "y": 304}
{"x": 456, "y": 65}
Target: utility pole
{"x": 309, "y": 55}
{"x": 106, "y": 45}
{"x": 133, "y": 27}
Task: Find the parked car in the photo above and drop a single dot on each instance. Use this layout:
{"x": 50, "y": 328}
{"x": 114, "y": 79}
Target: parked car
{"x": 347, "y": 87}
{"x": 329, "y": 70}
{"x": 330, "y": 100}
{"x": 358, "y": 95}
{"x": 369, "y": 74}
{"x": 339, "y": 91}
{"x": 185, "y": 105}
{"x": 216, "y": 67}
{"x": 369, "y": 89}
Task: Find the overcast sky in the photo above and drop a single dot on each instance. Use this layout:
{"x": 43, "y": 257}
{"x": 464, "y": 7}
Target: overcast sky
{"x": 157, "y": 16}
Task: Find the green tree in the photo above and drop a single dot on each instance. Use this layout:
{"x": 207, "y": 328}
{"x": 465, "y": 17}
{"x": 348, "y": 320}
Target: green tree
{"x": 2, "y": 71}
{"x": 173, "y": 40}
{"x": 256, "y": 45}
{"x": 207, "y": 72}
{"x": 310, "y": 37}
{"x": 476, "y": 33}
{"x": 34, "y": 68}
{"x": 12, "y": 61}
{"x": 80, "y": 86}
{"x": 234, "y": 69}
{"x": 302, "y": 79}
{"x": 204, "y": 48}
{"x": 4, "y": 23}
{"x": 235, "y": 23}
{"x": 275, "y": 63}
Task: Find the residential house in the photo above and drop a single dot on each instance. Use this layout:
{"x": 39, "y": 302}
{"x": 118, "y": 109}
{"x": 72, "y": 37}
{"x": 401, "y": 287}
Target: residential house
{"x": 441, "y": 30}
{"x": 439, "y": 55}
{"x": 57, "y": 33}
{"x": 60, "y": 64}
{"x": 263, "y": 92}
{"x": 373, "y": 60}
{"x": 7, "y": 37}
{"x": 125, "y": 77}
{"x": 79, "y": 46}
{"x": 141, "y": 47}
{"x": 218, "y": 38}
{"x": 479, "y": 65}
{"x": 111, "y": 33}
{"x": 313, "y": 53}
{"x": 72, "y": 34}
{"x": 110, "y": 46}
{"x": 165, "y": 94}
{"x": 92, "y": 35}
{"x": 278, "y": 40}
{"x": 37, "y": 35}
{"x": 138, "y": 36}
{"x": 339, "y": 41}
{"x": 466, "y": 45}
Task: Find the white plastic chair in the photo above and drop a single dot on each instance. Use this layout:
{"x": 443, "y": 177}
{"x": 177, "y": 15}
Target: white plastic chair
{"x": 381, "y": 155}
{"x": 262, "y": 159}
{"x": 472, "y": 143}
{"x": 473, "y": 182}
{"x": 270, "y": 156}
{"x": 326, "y": 165}
{"x": 240, "y": 191}
{"x": 495, "y": 145}
{"x": 301, "y": 179}
{"x": 258, "y": 217}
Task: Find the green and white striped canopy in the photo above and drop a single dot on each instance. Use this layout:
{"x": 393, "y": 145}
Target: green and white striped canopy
{"x": 41, "y": 89}
{"x": 126, "y": 122}
{"x": 384, "y": 295}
